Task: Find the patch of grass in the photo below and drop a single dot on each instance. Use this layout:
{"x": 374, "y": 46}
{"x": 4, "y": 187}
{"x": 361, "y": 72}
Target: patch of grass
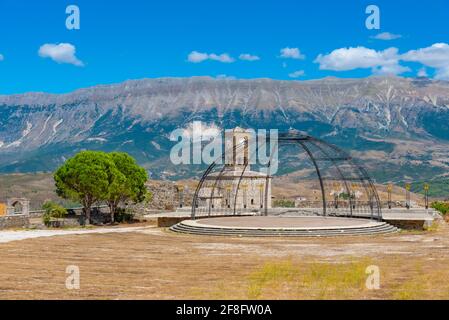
{"x": 430, "y": 285}
{"x": 283, "y": 203}
{"x": 308, "y": 281}
{"x": 272, "y": 275}
{"x": 433, "y": 227}
{"x": 323, "y": 280}
{"x": 410, "y": 290}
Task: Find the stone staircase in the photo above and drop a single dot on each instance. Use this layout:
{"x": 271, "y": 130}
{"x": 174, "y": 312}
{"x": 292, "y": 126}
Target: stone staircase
{"x": 380, "y": 228}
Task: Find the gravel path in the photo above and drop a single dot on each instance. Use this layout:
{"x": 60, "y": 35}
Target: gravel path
{"x": 8, "y": 236}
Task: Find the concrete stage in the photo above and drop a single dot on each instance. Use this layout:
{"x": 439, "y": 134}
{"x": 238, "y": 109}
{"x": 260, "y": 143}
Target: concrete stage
{"x": 414, "y": 218}
{"x": 282, "y": 226}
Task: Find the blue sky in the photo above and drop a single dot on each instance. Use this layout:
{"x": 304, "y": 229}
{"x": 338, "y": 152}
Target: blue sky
{"x": 120, "y": 40}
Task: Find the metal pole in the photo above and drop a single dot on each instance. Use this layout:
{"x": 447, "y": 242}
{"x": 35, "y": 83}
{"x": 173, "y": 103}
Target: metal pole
{"x": 353, "y": 195}
{"x": 315, "y": 164}
{"x": 389, "y": 189}
{"x": 407, "y": 195}
{"x": 336, "y": 194}
{"x": 426, "y": 195}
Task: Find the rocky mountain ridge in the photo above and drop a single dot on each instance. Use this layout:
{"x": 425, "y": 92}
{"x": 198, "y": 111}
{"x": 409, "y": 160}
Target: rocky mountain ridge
{"x": 389, "y": 120}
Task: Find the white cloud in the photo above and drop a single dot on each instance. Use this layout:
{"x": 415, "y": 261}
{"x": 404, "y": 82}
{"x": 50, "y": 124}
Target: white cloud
{"x": 248, "y": 57}
{"x": 296, "y": 74}
{"x": 2, "y": 57}
{"x": 387, "y": 36}
{"x": 224, "y": 57}
{"x": 60, "y": 53}
{"x": 201, "y": 130}
{"x": 291, "y": 53}
{"x": 380, "y": 62}
{"x": 422, "y": 72}
{"x": 225, "y": 77}
{"x": 197, "y": 57}
{"x": 436, "y": 56}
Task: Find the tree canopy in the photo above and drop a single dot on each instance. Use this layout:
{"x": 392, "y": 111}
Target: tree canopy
{"x": 129, "y": 184}
{"x": 93, "y": 176}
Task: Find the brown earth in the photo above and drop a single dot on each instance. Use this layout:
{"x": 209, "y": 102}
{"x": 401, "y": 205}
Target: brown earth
{"x": 158, "y": 264}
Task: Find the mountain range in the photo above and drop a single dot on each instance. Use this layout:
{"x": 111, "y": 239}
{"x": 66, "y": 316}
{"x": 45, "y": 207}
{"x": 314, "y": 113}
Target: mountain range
{"x": 398, "y": 127}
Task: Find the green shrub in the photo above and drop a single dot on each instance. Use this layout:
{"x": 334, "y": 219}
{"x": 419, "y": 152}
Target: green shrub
{"x": 123, "y": 215}
{"x": 442, "y": 207}
{"x": 52, "y": 211}
{"x": 284, "y": 203}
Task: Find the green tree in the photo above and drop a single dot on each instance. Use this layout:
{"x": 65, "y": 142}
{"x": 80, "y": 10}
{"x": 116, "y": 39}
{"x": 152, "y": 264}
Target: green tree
{"x": 129, "y": 184}
{"x": 86, "y": 178}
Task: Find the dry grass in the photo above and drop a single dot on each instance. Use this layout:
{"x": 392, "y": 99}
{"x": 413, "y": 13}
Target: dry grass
{"x": 324, "y": 280}
{"x": 158, "y": 264}
{"x": 302, "y": 281}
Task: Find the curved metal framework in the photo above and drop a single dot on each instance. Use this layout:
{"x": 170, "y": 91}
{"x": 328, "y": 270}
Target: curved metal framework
{"x": 345, "y": 187}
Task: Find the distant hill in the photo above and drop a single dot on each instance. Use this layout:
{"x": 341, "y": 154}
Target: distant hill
{"x": 398, "y": 127}
{"x": 40, "y": 187}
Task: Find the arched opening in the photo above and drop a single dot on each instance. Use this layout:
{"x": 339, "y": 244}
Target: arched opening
{"x": 18, "y": 207}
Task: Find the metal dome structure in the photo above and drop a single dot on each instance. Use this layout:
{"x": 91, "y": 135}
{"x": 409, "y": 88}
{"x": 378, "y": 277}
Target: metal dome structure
{"x": 230, "y": 187}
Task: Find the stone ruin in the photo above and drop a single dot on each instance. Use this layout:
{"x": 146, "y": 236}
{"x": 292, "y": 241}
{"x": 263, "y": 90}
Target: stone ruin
{"x": 17, "y": 213}
{"x": 15, "y": 206}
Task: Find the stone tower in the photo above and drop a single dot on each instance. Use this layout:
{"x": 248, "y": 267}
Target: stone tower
{"x": 239, "y": 143}
{"x": 237, "y": 187}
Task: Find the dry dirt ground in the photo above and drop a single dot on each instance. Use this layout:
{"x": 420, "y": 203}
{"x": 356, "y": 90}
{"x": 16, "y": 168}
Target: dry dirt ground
{"x": 153, "y": 263}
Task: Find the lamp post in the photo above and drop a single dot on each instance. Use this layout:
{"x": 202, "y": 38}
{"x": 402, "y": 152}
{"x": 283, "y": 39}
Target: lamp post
{"x": 245, "y": 195}
{"x": 180, "y": 195}
{"x": 261, "y": 190}
{"x": 336, "y": 187}
{"x": 389, "y": 189}
{"x": 407, "y": 195}
{"x": 353, "y": 195}
{"x": 228, "y": 196}
{"x": 426, "y": 195}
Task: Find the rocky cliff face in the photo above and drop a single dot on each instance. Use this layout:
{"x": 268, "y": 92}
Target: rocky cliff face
{"x": 398, "y": 124}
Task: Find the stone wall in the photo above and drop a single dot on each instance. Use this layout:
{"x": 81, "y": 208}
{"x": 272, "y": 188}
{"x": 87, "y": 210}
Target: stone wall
{"x": 408, "y": 224}
{"x": 74, "y": 218}
{"x": 166, "y": 196}
{"x": 16, "y": 221}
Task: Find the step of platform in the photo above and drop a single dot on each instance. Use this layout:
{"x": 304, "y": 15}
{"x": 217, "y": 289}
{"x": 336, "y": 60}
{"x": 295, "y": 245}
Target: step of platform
{"x": 382, "y": 228}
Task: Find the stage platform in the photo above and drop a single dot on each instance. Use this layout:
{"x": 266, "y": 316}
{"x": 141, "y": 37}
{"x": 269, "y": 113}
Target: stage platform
{"x": 300, "y": 226}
